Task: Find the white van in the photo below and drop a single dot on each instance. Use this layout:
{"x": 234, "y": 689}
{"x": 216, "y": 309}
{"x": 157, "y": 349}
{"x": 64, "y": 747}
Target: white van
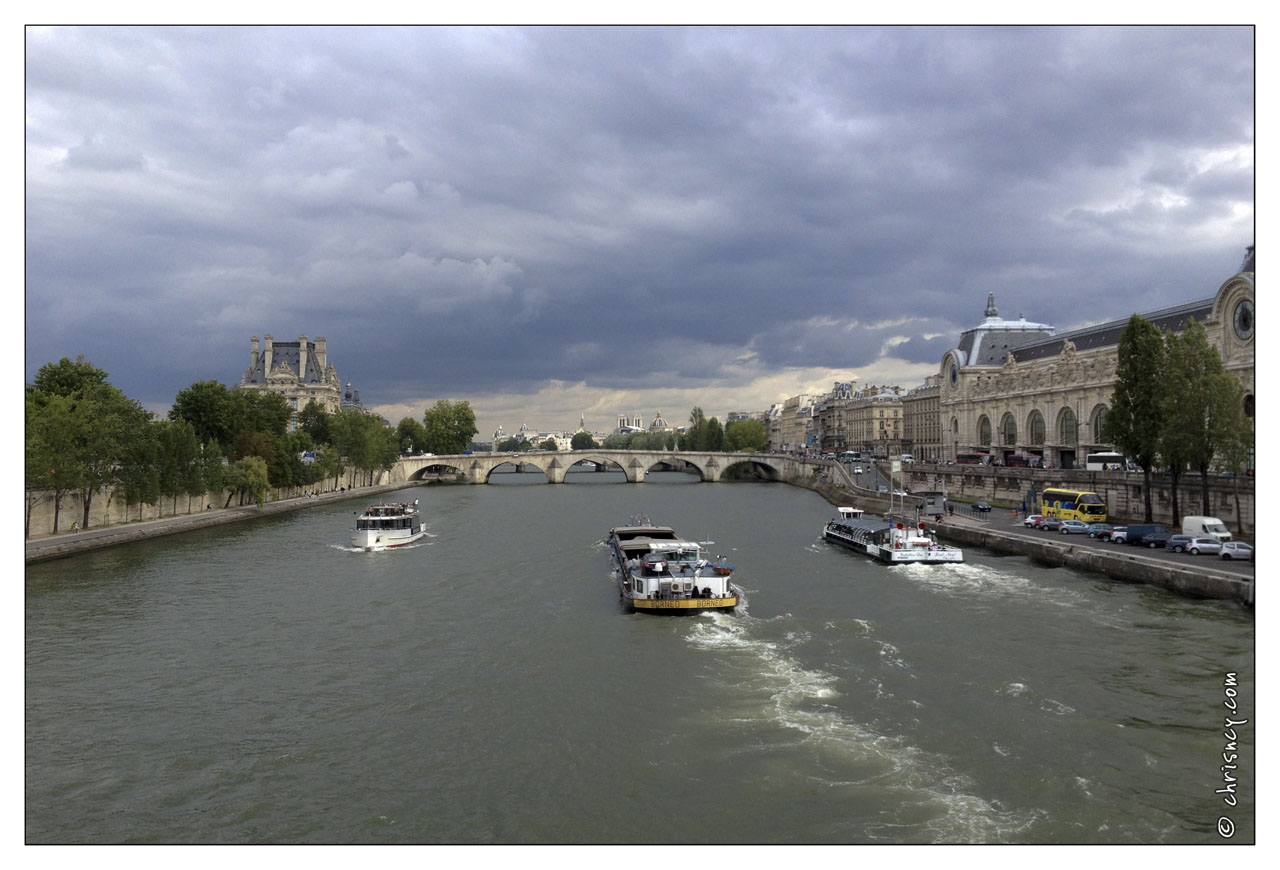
{"x": 1205, "y": 527}
{"x": 906, "y": 457}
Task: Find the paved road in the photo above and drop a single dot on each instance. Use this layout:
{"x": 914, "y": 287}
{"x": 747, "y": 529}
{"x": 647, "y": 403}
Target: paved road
{"x": 1003, "y": 522}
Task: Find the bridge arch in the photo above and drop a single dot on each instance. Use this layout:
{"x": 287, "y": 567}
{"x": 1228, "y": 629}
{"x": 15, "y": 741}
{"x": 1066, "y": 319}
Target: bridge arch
{"x": 765, "y": 469}
{"x": 426, "y": 471}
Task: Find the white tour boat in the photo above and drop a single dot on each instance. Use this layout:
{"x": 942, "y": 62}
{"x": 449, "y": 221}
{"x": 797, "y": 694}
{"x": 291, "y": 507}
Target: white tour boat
{"x": 658, "y": 572}
{"x": 894, "y": 544}
{"x": 382, "y": 526}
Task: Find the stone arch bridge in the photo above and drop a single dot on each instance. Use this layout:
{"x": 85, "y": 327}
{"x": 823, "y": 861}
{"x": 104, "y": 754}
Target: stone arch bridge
{"x": 476, "y": 467}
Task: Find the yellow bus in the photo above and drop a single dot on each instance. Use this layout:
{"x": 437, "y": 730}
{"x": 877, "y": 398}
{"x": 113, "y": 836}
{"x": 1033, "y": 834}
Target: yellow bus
{"x": 1073, "y": 504}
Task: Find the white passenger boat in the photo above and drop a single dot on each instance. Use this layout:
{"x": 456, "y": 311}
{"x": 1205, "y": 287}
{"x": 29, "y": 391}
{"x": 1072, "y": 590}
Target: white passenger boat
{"x": 894, "y": 544}
{"x": 658, "y": 572}
{"x": 383, "y": 526}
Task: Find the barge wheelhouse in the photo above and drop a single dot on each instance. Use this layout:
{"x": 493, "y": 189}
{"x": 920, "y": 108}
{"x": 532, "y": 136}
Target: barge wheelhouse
{"x": 659, "y": 572}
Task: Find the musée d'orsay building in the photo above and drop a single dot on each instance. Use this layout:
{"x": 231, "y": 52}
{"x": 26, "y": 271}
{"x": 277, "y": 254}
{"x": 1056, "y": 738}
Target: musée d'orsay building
{"x": 1010, "y": 386}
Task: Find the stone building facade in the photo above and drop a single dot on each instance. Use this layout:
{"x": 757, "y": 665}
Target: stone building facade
{"x": 1017, "y": 387}
{"x": 874, "y": 421}
{"x": 921, "y": 421}
{"x": 298, "y": 370}
{"x": 791, "y": 425}
{"x": 830, "y": 415}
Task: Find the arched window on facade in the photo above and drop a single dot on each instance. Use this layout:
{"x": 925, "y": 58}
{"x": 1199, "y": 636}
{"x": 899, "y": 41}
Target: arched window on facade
{"x": 984, "y": 431}
{"x": 1009, "y": 431}
{"x": 1035, "y": 428}
{"x": 1067, "y": 427}
{"x": 1100, "y": 425}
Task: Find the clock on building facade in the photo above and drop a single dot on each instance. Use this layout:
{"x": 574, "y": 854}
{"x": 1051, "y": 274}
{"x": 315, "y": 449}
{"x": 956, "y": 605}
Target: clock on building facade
{"x": 1242, "y": 319}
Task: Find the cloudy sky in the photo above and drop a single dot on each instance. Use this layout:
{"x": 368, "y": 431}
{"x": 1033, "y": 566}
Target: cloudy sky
{"x": 550, "y": 222}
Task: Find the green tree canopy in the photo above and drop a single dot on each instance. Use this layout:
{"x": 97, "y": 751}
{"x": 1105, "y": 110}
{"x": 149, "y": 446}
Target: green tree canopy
{"x": 703, "y": 433}
{"x": 745, "y": 436}
{"x": 247, "y": 478}
{"x": 449, "y": 427}
{"x": 95, "y": 427}
{"x": 1204, "y": 407}
{"x": 178, "y": 460}
{"x": 210, "y": 408}
{"x": 56, "y": 427}
{"x": 583, "y": 441}
{"x": 412, "y": 436}
{"x": 67, "y": 378}
{"x": 314, "y": 420}
{"x": 1134, "y": 420}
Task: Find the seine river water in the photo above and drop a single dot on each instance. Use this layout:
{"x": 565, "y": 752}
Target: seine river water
{"x": 263, "y": 683}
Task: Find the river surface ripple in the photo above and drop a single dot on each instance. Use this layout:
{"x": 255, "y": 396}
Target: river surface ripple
{"x": 263, "y": 683}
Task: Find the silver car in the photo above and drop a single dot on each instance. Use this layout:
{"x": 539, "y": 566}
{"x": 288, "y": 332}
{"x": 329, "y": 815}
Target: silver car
{"x": 1196, "y": 546}
{"x": 1236, "y": 550}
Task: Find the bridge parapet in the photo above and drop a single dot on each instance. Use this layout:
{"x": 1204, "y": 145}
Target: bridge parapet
{"x": 635, "y": 464}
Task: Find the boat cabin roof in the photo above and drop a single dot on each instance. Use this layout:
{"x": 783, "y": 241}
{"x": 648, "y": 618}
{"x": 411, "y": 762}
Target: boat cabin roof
{"x": 386, "y": 510}
{"x": 850, "y": 513}
{"x": 655, "y": 533}
{"x": 639, "y": 544}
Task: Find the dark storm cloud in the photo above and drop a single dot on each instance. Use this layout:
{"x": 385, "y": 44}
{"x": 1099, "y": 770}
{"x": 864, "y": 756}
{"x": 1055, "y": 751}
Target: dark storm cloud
{"x": 465, "y": 211}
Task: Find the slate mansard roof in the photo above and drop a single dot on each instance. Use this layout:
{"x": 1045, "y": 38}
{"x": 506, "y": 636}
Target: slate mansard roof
{"x": 1108, "y": 334}
{"x": 991, "y": 341}
{"x": 287, "y": 352}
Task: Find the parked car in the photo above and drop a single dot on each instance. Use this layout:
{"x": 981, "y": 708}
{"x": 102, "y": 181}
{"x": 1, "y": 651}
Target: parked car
{"x": 1074, "y": 527}
{"x": 1050, "y": 524}
{"x": 1178, "y": 543}
{"x": 1156, "y": 539}
{"x": 982, "y": 507}
{"x": 1118, "y": 535}
{"x": 1101, "y": 531}
{"x": 1209, "y": 546}
{"x": 1032, "y": 520}
{"x": 1137, "y": 532}
{"x": 1236, "y": 550}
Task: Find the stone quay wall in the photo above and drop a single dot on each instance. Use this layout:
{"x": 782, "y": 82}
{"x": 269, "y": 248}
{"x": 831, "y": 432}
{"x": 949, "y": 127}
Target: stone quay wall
{"x": 1128, "y": 564}
{"x": 107, "y": 511}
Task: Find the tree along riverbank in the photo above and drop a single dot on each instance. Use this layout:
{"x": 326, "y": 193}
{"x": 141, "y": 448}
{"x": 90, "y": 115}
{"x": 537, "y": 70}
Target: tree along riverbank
{"x": 68, "y": 543}
{"x": 1195, "y": 581}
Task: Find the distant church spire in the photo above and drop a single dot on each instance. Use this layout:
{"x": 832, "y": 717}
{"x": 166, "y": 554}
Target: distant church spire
{"x": 991, "y": 306}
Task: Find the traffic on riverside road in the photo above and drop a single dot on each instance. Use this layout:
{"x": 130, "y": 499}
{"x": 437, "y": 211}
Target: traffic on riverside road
{"x": 1008, "y": 524}
{"x": 867, "y": 475}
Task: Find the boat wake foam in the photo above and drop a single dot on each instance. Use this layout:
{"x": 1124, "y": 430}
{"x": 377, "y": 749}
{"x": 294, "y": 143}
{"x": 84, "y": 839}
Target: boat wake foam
{"x": 977, "y": 580}
{"x": 934, "y": 803}
{"x": 347, "y": 548}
